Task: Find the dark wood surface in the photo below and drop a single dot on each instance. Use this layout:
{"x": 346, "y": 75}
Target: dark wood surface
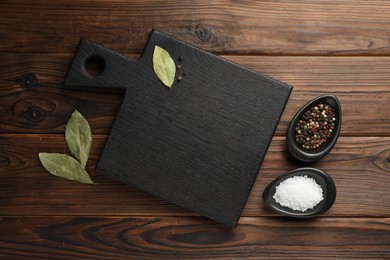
{"x": 198, "y": 144}
{"x": 342, "y": 47}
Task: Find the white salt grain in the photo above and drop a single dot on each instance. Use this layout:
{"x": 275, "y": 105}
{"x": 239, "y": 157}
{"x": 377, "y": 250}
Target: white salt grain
{"x": 298, "y": 193}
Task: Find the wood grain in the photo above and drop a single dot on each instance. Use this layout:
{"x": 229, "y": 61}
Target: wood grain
{"x": 360, "y": 167}
{"x": 317, "y": 46}
{"x": 194, "y": 238}
{"x": 224, "y": 26}
{"x": 34, "y": 100}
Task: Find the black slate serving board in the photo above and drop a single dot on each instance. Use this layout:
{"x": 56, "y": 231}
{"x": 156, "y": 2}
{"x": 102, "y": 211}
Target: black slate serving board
{"x": 199, "y": 144}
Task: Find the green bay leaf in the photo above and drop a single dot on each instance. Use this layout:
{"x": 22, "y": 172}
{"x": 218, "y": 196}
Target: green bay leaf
{"x": 79, "y": 138}
{"x": 64, "y": 166}
{"x": 164, "y": 66}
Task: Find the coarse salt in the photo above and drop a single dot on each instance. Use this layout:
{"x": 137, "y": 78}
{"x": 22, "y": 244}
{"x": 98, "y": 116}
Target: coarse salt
{"x": 298, "y": 193}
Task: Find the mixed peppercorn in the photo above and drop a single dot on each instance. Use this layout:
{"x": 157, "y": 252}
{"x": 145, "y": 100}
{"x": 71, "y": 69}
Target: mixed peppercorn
{"x": 315, "y": 126}
{"x": 180, "y": 77}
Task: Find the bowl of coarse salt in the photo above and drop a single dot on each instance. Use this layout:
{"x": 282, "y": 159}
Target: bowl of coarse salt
{"x": 301, "y": 193}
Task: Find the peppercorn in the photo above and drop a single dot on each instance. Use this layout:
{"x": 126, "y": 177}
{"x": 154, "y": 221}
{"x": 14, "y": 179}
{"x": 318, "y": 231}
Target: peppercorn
{"x": 315, "y": 126}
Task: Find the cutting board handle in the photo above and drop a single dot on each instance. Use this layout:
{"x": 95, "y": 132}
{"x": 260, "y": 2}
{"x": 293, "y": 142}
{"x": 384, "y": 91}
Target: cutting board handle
{"x": 96, "y": 66}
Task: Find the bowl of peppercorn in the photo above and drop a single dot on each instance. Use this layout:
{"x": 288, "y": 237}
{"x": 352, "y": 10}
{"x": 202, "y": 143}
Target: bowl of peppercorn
{"x": 314, "y": 130}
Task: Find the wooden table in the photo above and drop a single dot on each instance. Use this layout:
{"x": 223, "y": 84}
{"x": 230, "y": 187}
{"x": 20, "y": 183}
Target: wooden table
{"x": 341, "y": 47}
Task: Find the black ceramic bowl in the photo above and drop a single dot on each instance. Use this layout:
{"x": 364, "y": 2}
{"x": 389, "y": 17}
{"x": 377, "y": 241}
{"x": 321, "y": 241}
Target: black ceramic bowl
{"x": 321, "y": 178}
{"x": 313, "y": 155}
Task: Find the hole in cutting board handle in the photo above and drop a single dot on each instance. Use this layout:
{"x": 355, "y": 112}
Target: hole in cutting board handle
{"x": 95, "y": 65}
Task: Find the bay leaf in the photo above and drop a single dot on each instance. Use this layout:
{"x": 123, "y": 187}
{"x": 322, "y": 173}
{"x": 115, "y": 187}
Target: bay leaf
{"x": 164, "y": 66}
{"x": 79, "y": 138}
{"x": 64, "y": 166}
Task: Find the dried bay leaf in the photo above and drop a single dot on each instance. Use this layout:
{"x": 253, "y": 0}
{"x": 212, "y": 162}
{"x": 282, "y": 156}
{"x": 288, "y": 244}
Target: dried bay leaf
{"x": 64, "y": 166}
{"x": 79, "y": 138}
{"x": 164, "y": 66}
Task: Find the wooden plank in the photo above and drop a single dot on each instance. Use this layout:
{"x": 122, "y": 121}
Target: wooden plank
{"x": 265, "y": 27}
{"x": 179, "y": 237}
{"x": 33, "y": 97}
{"x": 34, "y": 101}
{"x": 308, "y": 73}
{"x": 359, "y": 166}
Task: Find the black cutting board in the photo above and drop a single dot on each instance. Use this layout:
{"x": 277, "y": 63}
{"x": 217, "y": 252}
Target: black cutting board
{"x": 199, "y": 144}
